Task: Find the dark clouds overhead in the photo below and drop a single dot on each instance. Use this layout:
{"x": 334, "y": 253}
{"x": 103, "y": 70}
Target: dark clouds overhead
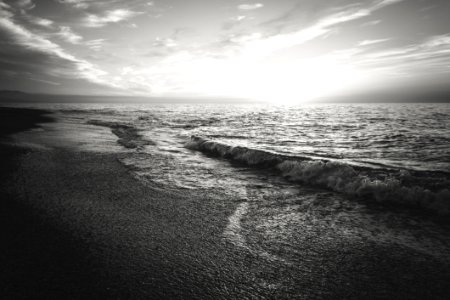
{"x": 295, "y": 49}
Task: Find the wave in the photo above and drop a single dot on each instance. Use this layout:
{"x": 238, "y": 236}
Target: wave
{"x": 127, "y": 134}
{"x": 413, "y": 189}
{"x": 191, "y": 123}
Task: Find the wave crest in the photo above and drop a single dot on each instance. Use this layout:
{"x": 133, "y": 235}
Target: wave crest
{"x": 251, "y": 157}
{"x": 388, "y": 187}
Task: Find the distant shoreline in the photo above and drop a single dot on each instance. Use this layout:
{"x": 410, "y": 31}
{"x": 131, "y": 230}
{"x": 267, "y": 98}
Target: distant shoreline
{"x": 9, "y": 97}
{"x": 21, "y": 97}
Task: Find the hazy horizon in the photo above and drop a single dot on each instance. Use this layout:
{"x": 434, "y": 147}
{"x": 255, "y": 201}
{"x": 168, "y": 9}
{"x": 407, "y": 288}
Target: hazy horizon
{"x": 14, "y": 96}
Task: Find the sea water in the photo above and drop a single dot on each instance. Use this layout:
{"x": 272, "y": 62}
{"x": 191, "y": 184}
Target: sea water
{"x": 327, "y": 145}
{"x": 291, "y": 168}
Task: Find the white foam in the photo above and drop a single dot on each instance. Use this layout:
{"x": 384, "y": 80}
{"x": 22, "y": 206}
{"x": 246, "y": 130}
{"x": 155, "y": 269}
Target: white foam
{"x": 233, "y": 231}
{"x": 333, "y": 175}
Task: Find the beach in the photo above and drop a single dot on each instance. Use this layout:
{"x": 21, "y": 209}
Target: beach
{"x": 80, "y": 224}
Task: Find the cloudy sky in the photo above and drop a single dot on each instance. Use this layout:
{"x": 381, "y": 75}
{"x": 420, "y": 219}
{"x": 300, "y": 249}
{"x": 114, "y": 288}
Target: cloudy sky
{"x": 265, "y": 49}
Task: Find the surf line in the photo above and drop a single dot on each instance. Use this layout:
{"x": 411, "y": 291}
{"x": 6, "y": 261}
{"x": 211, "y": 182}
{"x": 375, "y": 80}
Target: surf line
{"x": 233, "y": 229}
{"x": 233, "y": 232}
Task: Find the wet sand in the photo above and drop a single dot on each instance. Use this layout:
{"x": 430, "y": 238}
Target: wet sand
{"x": 78, "y": 225}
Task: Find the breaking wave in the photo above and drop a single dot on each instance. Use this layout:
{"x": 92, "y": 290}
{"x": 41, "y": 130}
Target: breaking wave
{"x": 401, "y": 187}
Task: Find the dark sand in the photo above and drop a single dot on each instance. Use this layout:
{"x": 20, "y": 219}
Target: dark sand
{"x": 77, "y": 225}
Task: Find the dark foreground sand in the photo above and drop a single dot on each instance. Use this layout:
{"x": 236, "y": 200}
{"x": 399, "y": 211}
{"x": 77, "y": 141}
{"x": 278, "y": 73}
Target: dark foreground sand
{"x": 77, "y": 225}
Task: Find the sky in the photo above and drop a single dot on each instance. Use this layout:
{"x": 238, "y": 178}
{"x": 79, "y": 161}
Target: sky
{"x": 270, "y": 50}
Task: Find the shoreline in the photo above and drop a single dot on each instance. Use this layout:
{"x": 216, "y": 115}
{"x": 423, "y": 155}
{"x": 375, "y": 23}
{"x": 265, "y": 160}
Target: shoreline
{"x": 78, "y": 237}
{"x": 78, "y": 225}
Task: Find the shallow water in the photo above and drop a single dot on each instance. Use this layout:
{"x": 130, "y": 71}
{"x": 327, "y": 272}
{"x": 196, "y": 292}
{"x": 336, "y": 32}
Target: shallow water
{"x": 297, "y": 172}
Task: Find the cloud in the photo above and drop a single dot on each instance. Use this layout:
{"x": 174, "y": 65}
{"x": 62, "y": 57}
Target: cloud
{"x": 242, "y": 60}
{"x": 80, "y": 4}
{"x": 233, "y": 21}
{"x": 110, "y": 16}
{"x": 238, "y": 18}
{"x": 68, "y": 35}
{"x": 95, "y": 45}
{"x": 268, "y": 44}
{"x": 437, "y": 46}
{"x": 383, "y": 3}
{"x": 438, "y": 40}
{"x": 371, "y": 23}
{"x": 372, "y": 42}
{"x": 162, "y": 47}
{"x": 432, "y": 47}
{"x": 40, "y": 21}
{"x": 27, "y": 53}
{"x": 250, "y": 6}
{"x": 428, "y": 57}
{"x": 3, "y": 6}
{"x": 22, "y": 6}
{"x": 25, "y": 4}
{"x": 165, "y": 43}
{"x": 238, "y": 64}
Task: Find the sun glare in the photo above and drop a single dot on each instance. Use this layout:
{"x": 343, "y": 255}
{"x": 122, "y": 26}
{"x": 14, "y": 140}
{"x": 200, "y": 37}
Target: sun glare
{"x": 239, "y": 77}
{"x": 308, "y": 80}
{"x": 284, "y": 83}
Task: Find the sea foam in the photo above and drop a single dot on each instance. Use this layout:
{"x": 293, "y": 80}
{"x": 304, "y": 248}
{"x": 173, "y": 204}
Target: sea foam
{"x": 395, "y": 187}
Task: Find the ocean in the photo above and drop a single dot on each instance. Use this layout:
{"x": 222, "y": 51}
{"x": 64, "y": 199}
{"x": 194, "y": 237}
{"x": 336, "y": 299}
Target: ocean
{"x": 364, "y": 170}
